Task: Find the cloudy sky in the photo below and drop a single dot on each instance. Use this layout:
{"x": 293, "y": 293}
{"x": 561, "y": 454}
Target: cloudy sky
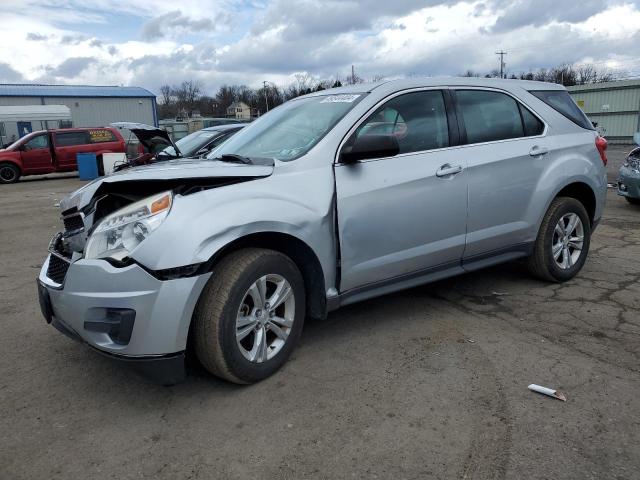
{"x": 149, "y": 43}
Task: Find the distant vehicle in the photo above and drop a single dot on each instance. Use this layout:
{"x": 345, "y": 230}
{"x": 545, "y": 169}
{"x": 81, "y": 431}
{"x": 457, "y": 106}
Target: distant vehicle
{"x": 199, "y": 143}
{"x": 156, "y": 145}
{"x": 215, "y": 122}
{"x": 629, "y": 175}
{"x": 329, "y": 199}
{"x": 49, "y": 151}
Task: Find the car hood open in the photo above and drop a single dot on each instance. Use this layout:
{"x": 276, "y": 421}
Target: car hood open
{"x": 173, "y": 174}
{"x": 147, "y": 135}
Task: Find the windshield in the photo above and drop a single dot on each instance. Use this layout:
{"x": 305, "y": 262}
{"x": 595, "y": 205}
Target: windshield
{"x": 191, "y": 143}
{"x": 291, "y": 130}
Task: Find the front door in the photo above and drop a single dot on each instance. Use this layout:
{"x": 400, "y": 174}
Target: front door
{"x": 404, "y": 214}
{"x": 36, "y": 155}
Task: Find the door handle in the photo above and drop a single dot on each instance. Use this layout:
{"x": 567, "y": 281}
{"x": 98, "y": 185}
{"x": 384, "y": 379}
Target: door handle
{"x": 446, "y": 170}
{"x": 536, "y": 151}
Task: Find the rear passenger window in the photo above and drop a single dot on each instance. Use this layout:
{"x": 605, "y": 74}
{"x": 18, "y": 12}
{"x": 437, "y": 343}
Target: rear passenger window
{"x": 489, "y": 116}
{"x": 532, "y": 124}
{"x": 101, "y": 136}
{"x": 69, "y": 139}
{"x": 418, "y": 120}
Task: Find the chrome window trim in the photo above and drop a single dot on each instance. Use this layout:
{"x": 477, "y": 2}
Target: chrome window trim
{"x": 366, "y": 115}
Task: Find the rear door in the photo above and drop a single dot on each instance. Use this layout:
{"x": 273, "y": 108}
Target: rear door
{"x": 68, "y": 145}
{"x": 404, "y": 214}
{"x": 507, "y": 152}
{"x": 36, "y": 155}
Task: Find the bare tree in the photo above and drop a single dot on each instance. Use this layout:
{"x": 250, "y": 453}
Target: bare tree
{"x": 187, "y": 95}
{"x": 166, "y": 94}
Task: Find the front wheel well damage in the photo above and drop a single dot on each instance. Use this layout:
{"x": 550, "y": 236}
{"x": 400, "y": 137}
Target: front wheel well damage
{"x": 584, "y": 194}
{"x": 299, "y": 252}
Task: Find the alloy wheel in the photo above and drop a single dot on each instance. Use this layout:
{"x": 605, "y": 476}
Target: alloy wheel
{"x": 568, "y": 240}
{"x": 265, "y": 318}
{"x": 7, "y": 174}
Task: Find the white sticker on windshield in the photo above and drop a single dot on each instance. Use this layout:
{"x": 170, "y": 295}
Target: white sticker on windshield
{"x": 344, "y": 98}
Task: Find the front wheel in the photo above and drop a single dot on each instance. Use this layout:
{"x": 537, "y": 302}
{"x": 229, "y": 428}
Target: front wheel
{"x": 250, "y": 315}
{"x": 563, "y": 241}
{"x": 9, "y": 173}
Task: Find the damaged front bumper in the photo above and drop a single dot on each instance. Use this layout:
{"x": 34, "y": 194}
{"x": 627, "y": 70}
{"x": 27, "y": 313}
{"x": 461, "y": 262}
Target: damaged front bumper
{"x": 628, "y": 183}
{"x": 125, "y": 313}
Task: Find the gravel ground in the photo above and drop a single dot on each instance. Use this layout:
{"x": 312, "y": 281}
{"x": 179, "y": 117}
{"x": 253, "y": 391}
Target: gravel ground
{"x": 426, "y": 383}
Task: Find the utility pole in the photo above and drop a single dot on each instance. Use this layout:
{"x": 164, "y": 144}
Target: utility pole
{"x": 353, "y": 75}
{"x": 266, "y": 101}
{"x": 502, "y": 64}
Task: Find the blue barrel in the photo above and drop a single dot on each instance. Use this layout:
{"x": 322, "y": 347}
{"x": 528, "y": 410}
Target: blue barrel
{"x": 87, "y": 166}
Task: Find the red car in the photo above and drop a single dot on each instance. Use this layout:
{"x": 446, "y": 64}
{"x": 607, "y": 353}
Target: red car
{"x": 50, "y": 151}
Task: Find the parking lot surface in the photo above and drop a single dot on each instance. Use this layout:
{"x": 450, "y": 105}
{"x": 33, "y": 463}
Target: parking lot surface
{"x": 426, "y": 383}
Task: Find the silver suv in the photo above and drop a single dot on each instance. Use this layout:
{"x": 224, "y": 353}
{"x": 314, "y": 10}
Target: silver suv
{"x": 329, "y": 199}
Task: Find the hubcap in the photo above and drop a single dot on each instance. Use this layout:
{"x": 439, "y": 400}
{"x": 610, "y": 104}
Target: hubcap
{"x": 568, "y": 239}
{"x": 265, "y": 318}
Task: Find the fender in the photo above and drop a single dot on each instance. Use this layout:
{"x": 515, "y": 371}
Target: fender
{"x": 201, "y": 224}
{"x": 573, "y": 167}
{"x": 11, "y": 157}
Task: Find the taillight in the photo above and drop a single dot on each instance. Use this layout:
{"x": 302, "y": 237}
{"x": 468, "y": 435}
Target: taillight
{"x": 601, "y": 145}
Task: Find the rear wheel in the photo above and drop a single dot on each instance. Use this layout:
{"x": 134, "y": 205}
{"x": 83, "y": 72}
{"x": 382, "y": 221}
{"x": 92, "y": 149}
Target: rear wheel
{"x": 563, "y": 241}
{"x": 250, "y": 315}
{"x": 9, "y": 173}
{"x": 633, "y": 201}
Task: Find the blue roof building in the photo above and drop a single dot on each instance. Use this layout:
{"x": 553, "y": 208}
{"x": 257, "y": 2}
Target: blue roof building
{"x": 90, "y": 105}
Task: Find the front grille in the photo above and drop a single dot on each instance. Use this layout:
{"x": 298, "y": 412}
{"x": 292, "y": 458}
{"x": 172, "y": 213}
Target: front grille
{"x": 57, "y": 269}
{"x": 73, "y": 222}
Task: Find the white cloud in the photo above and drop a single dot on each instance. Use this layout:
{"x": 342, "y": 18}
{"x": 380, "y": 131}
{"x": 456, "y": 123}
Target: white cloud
{"x": 231, "y": 41}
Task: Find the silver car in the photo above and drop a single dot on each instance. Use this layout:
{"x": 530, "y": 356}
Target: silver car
{"x": 629, "y": 175}
{"x": 329, "y": 199}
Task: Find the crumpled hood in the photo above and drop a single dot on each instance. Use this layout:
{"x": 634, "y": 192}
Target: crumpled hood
{"x": 170, "y": 172}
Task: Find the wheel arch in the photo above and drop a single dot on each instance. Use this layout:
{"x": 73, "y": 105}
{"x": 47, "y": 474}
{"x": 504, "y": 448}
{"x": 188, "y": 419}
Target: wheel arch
{"x": 583, "y": 193}
{"x": 13, "y": 163}
{"x": 298, "y": 251}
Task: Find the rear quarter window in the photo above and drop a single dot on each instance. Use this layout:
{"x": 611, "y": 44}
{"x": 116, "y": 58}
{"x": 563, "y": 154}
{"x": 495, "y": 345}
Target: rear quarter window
{"x": 101, "y": 136}
{"x": 561, "y": 102}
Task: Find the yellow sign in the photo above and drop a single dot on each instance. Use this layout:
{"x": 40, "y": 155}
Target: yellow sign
{"x": 580, "y": 103}
{"x": 97, "y": 136}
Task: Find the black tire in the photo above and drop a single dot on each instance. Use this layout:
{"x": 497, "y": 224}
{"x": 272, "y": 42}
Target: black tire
{"x": 633, "y": 201}
{"x": 9, "y": 173}
{"x": 541, "y": 263}
{"x": 215, "y": 314}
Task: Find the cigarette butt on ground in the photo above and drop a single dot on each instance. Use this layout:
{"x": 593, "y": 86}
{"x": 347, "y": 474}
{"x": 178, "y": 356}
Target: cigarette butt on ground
{"x": 547, "y": 391}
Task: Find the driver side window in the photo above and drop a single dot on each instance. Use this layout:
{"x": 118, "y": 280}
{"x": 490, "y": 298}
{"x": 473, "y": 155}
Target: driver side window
{"x": 418, "y": 120}
{"x": 40, "y": 141}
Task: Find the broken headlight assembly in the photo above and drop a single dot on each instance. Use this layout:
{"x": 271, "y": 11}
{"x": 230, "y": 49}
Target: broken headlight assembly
{"x": 122, "y": 231}
{"x": 633, "y": 163}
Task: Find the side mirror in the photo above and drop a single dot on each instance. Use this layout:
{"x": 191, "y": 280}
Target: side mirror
{"x": 369, "y": 147}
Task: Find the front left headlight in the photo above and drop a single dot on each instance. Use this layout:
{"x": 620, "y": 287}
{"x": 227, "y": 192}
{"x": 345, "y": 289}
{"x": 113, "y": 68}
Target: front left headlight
{"x": 122, "y": 231}
{"x": 633, "y": 163}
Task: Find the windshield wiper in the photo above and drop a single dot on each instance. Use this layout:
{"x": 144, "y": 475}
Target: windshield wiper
{"x": 232, "y": 157}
